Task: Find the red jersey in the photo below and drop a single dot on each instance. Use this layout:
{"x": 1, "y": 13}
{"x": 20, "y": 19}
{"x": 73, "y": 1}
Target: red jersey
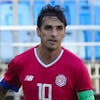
{"x": 60, "y": 80}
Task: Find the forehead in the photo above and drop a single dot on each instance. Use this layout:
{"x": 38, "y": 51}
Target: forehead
{"x": 51, "y": 20}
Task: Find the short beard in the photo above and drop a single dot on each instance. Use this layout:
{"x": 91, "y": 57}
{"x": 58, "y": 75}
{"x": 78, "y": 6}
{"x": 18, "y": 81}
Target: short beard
{"x": 51, "y": 49}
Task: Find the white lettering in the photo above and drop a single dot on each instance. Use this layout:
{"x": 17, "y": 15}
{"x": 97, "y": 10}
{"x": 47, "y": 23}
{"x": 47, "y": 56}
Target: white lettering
{"x": 42, "y": 93}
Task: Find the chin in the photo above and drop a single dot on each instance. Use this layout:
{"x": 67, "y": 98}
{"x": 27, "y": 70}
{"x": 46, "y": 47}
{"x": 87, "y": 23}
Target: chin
{"x": 51, "y": 48}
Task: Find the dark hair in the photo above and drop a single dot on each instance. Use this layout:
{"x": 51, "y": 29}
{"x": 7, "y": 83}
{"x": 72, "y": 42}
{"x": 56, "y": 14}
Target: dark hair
{"x": 49, "y": 10}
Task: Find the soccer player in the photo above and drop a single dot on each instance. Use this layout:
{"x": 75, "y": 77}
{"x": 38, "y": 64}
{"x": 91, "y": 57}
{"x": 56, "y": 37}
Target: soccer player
{"x": 48, "y": 71}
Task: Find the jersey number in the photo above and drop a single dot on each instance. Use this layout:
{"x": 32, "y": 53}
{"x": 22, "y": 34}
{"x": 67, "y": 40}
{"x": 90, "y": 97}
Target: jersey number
{"x": 42, "y": 91}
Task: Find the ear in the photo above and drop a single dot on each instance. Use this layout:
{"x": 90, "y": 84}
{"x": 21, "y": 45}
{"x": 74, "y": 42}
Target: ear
{"x": 38, "y": 31}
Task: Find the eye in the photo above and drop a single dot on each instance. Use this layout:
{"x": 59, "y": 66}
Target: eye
{"x": 48, "y": 27}
{"x": 60, "y": 27}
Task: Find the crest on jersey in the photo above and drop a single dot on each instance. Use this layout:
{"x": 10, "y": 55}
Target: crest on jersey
{"x": 61, "y": 80}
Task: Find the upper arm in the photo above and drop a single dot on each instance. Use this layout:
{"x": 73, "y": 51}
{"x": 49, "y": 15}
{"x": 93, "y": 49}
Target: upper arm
{"x": 84, "y": 84}
{"x": 11, "y": 80}
{"x": 84, "y": 81}
{"x": 86, "y": 95}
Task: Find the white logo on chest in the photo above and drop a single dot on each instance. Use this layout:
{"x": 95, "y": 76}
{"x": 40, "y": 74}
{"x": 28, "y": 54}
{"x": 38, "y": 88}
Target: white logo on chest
{"x": 29, "y": 77}
{"x": 61, "y": 80}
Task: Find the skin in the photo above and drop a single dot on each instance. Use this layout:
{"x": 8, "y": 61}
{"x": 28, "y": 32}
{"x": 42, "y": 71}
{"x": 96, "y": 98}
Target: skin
{"x": 51, "y": 34}
{"x": 2, "y": 93}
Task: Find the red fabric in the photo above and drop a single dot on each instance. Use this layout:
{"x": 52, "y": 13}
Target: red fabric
{"x": 60, "y": 81}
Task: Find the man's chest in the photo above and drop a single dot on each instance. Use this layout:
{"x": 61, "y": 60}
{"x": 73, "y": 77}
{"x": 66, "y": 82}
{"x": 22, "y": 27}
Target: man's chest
{"x": 46, "y": 82}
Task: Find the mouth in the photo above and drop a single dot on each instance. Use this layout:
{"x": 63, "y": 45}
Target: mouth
{"x": 52, "y": 41}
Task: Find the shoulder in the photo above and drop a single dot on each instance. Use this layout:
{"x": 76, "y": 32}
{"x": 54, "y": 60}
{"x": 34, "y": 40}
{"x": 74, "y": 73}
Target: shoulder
{"x": 73, "y": 61}
{"x": 22, "y": 58}
{"x": 25, "y": 55}
{"x": 77, "y": 70}
{"x": 70, "y": 56}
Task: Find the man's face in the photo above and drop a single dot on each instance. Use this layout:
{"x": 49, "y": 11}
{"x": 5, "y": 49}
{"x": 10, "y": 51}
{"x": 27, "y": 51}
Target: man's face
{"x": 51, "y": 32}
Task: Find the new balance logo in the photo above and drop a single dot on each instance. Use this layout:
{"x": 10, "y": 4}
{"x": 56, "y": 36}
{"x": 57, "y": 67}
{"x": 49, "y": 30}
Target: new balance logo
{"x": 29, "y": 78}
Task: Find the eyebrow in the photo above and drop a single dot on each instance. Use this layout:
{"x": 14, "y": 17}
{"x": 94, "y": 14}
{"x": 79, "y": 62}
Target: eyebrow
{"x": 54, "y": 26}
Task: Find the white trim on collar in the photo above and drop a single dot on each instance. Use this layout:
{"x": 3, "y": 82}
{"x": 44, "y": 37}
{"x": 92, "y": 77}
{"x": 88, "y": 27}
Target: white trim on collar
{"x": 47, "y": 65}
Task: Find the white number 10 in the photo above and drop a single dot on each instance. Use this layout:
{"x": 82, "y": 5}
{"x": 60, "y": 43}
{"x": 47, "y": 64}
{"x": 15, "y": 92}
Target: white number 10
{"x": 42, "y": 90}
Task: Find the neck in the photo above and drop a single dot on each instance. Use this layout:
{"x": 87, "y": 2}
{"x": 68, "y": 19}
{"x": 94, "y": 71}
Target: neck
{"x": 48, "y": 56}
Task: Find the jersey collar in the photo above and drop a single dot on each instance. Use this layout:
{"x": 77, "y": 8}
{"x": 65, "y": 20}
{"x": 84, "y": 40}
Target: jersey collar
{"x": 50, "y": 64}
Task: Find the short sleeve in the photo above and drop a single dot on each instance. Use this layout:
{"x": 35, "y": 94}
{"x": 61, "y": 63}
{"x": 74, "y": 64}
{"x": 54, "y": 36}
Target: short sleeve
{"x": 11, "y": 78}
{"x": 84, "y": 81}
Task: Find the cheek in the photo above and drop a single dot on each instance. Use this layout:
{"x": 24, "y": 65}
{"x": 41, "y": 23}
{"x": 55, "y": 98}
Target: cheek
{"x": 62, "y": 36}
{"x": 43, "y": 37}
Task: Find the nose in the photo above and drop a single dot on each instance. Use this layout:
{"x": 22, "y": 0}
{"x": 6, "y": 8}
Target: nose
{"x": 54, "y": 32}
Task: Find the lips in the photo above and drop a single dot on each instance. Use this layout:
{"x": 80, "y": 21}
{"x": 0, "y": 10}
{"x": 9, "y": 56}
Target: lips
{"x": 52, "y": 40}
